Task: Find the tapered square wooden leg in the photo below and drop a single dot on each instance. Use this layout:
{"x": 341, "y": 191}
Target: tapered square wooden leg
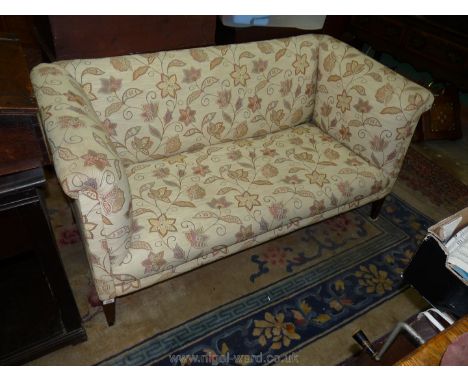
{"x": 376, "y": 207}
{"x": 109, "y": 311}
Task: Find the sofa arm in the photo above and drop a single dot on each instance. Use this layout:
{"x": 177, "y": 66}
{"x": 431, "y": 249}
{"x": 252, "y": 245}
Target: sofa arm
{"x": 88, "y": 169}
{"x": 366, "y": 106}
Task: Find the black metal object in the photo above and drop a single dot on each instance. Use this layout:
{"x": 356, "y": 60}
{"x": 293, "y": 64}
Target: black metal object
{"x": 439, "y": 286}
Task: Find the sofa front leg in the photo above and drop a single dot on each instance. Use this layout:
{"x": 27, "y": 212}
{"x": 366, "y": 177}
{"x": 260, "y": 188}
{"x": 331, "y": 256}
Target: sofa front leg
{"x": 376, "y": 207}
{"x": 109, "y": 311}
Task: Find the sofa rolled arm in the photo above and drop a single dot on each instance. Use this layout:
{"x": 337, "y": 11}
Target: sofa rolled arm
{"x": 366, "y": 106}
{"x": 88, "y": 168}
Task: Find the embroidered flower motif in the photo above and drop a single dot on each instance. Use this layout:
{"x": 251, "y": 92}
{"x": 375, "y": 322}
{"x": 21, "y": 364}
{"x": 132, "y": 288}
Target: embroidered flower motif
{"x": 201, "y": 170}
{"x": 109, "y": 127}
{"x": 276, "y": 116}
{"x": 161, "y": 193}
{"x": 49, "y": 70}
{"x": 254, "y": 103}
{"x": 378, "y": 144}
{"x": 309, "y": 90}
{"x": 224, "y": 98}
{"x": 245, "y": 233}
{"x": 161, "y": 173}
{"x": 196, "y": 192}
{"x": 331, "y": 154}
{"x": 219, "y": 203}
{"x": 150, "y": 112}
{"x": 240, "y": 75}
{"x": 162, "y": 225}
{"x": 343, "y": 101}
{"x": 92, "y": 158}
{"x": 154, "y": 262}
{"x": 301, "y": 63}
{"x": 234, "y": 155}
{"x": 278, "y": 211}
{"x": 317, "y": 208}
{"x": 345, "y": 189}
{"x": 216, "y": 129}
{"x": 384, "y": 94}
{"x": 168, "y": 86}
{"x": 317, "y": 178}
{"x": 196, "y": 238}
{"x": 325, "y": 110}
{"x": 110, "y": 86}
{"x": 72, "y": 97}
{"x": 275, "y": 329}
{"x": 285, "y": 87}
{"x": 363, "y": 106}
{"x": 113, "y": 201}
{"x": 66, "y": 122}
{"x": 259, "y": 66}
{"x": 294, "y": 179}
{"x": 187, "y": 115}
{"x": 269, "y": 171}
{"x": 88, "y": 227}
{"x": 191, "y": 75}
{"x": 247, "y": 200}
{"x": 269, "y": 152}
{"x": 142, "y": 144}
{"x": 374, "y": 280}
{"x": 345, "y": 134}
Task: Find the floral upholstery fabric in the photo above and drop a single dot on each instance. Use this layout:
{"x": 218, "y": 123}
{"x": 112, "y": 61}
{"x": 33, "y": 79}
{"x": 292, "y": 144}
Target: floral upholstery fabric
{"x": 161, "y": 104}
{"x": 187, "y": 206}
{"x": 179, "y": 158}
{"x": 366, "y": 106}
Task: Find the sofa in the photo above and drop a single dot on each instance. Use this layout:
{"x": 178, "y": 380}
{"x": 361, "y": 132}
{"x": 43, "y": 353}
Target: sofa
{"x": 176, "y": 159}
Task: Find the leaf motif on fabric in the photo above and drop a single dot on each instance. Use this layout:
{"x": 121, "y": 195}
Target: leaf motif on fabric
{"x": 132, "y": 131}
{"x": 230, "y": 219}
{"x": 371, "y": 121}
{"x": 66, "y": 154}
{"x": 205, "y": 215}
{"x": 176, "y": 63}
{"x": 329, "y": 62}
{"x": 172, "y": 145}
{"x": 113, "y": 108}
{"x": 139, "y": 72}
{"x": 225, "y": 190}
{"x": 265, "y": 47}
{"x": 280, "y": 53}
{"x": 94, "y": 71}
{"x": 333, "y": 78}
{"x": 184, "y": 203}
{"x": 131, "y": 93}
{"x": 122, "y": 64}
{"x": 208, "y": 82}
{"x": 391, "y": 110}
{"x": 215, "y": 62}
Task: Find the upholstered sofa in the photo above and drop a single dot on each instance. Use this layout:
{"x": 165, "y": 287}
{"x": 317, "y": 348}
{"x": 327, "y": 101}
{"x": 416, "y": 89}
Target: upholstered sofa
{"x": 177, "y": 159}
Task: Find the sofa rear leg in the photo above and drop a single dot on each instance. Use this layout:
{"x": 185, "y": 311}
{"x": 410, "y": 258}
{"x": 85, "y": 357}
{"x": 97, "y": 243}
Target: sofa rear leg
{"x": 376, "y": 207}
{"x": 109, "y": 311}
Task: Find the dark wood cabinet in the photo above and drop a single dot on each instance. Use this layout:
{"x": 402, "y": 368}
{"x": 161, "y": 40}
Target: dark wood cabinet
{"x": 37, "y": 310}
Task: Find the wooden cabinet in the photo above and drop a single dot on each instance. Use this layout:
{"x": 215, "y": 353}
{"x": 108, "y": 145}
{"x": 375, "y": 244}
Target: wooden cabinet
{"x": 37, "y": 310}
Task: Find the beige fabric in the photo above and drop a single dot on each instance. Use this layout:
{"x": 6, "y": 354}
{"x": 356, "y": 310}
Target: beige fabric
{"x": 161, "y": 104}
{"x": 178, "y": 158}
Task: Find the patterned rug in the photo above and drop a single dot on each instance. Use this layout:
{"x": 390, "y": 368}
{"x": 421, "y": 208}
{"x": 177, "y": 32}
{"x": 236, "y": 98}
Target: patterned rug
{"x": 361, "y": 264}
{"x": 283, "y": 296}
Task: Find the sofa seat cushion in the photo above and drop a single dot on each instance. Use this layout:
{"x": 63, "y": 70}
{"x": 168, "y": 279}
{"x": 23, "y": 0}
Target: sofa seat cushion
{"x": 189, "y": 205}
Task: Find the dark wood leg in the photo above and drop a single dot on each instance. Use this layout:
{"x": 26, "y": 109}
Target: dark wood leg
{"x": 109, "y": 311}
{"x": 376, "y": 207}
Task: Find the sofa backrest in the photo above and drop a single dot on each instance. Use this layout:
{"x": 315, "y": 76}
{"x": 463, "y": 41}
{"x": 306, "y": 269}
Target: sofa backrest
{"x": 161, "y": 104}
